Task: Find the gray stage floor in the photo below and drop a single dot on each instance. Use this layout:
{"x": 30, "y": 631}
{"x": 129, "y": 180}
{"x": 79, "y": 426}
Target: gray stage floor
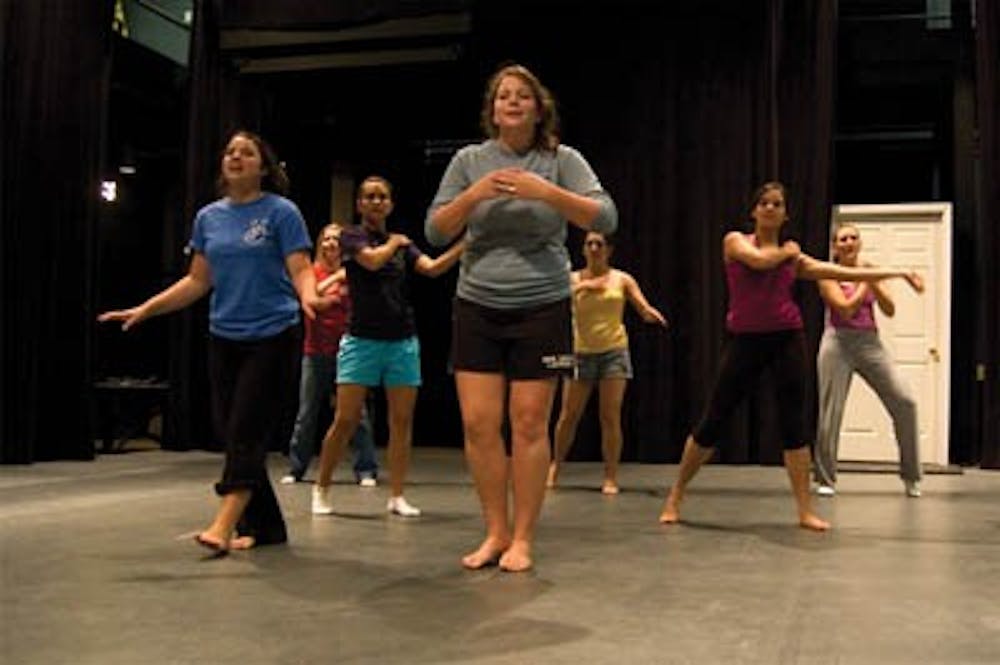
{"x": 98, "y": 567}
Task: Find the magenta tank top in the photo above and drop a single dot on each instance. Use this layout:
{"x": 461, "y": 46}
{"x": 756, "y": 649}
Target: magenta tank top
{"x": 864, "y": 317}
{"x": 761, "y": 300}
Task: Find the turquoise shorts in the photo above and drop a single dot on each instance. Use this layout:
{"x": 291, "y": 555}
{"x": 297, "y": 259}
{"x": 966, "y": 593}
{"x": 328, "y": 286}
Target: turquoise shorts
{"x": 379, "y": 362}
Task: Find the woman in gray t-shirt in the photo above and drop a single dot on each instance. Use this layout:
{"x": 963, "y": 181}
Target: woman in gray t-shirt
{"x": 514, "y": 193}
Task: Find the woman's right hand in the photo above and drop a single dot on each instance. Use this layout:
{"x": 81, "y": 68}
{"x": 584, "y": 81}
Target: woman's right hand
{"x": 129, "y": 317}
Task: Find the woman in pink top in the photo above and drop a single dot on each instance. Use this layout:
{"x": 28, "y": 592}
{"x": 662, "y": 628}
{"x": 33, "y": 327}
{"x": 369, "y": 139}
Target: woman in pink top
{"x": 765, "y": 328}
{"x": 851, "y": 344}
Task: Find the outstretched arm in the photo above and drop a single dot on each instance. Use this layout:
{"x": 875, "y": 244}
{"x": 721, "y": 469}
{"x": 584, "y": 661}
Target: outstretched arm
{"x": 648, "y": 313}
{"x": 178, "y": 295}
{"x": 814, "y": 269}
{"x": 425, "y": 265}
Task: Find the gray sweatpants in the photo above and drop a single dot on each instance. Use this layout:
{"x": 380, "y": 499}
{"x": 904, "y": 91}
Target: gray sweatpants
{"x": 842, "y": 352}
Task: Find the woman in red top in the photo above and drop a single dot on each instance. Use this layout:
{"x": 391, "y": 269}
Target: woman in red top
{"x": 319, "y": 367}
{"x": 765, "y": 328}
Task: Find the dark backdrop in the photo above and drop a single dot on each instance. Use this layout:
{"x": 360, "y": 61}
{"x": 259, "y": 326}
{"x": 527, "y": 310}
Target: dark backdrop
{"x": 681, "y": 113}
{"x": 54, "y": 86}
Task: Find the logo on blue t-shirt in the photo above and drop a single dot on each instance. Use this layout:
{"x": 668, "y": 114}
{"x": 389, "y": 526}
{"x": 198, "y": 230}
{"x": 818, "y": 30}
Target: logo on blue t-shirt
{"x": 257, "y": 233}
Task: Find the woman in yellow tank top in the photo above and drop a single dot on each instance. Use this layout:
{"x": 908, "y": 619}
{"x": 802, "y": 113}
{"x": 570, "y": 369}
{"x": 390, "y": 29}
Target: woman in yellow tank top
{"x": 602, "y": 358}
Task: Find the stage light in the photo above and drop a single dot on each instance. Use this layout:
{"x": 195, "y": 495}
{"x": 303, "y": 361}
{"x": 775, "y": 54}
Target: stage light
{"x": 109, "y": 191}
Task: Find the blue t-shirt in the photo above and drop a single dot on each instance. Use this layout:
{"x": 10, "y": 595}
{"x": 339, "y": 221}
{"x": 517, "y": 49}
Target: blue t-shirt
{"x": 380, "y": 299}
{"x": 245, "y": 245}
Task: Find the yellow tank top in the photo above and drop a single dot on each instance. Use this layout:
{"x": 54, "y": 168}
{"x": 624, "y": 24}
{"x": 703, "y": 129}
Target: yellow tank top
{"x": 597, "y": 317}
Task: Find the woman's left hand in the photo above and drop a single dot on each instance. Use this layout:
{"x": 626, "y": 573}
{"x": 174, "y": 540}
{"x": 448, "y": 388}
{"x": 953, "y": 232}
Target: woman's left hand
{"x": 522, "y": 184}
{"x": 915, "y": 281}
{"x": 653, "y": 315}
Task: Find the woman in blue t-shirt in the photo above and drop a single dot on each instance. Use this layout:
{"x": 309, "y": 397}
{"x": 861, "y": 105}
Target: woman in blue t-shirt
{"x": 251, "y": 250}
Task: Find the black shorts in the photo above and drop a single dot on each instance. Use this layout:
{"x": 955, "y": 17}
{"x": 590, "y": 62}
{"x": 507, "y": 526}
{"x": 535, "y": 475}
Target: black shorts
{"x": 745, "y": 357}
{"x": 522, "y": 344}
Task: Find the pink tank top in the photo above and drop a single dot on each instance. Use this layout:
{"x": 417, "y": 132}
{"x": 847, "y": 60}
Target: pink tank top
{"x": 864, "y": 317}
{"x": 761, "y": 300}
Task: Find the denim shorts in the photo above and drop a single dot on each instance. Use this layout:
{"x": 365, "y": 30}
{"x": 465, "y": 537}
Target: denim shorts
{"x": 613, "y": 364}
{"x": 374, "y": 362}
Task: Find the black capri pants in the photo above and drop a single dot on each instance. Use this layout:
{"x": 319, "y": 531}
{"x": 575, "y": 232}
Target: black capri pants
{"x": 745, "y": 357}
{"x": 251, "y": 381}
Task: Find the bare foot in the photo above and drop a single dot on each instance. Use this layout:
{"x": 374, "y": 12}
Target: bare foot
{"x": 488, "y": 554}
{"x": 217, "y": 546}
{"x": 553, "y": 477}
{"x": 517, "y": 558}
{"x": 810, "y": 521}
{"x": 610, "y": 488}
{"x": 671, "y": 513}
{"x": 242, "y": 543}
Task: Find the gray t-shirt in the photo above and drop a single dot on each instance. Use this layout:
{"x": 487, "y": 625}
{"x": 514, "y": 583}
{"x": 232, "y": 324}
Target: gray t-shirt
{"x": 515, "y": 254}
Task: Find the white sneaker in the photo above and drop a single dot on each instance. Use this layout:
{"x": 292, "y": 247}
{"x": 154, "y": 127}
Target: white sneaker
{"x": 368, "y": 481}
{"x": 398, "y": 505}
{"x": 825, "y": 490}
{"x": 288, "y": 479}
{"x": 912, "y": 489}
{"x": 321, "y": 504}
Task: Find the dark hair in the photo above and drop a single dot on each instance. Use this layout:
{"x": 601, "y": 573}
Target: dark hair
{"x": 770, "y": 185}
{"x": 609, "y": 238}
{"x": 374, "y": 178}
{"x": 547, "y": 130}
{"x": 273, "y": 175}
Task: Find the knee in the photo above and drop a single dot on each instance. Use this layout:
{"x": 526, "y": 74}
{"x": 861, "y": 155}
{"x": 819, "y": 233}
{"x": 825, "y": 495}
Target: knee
{"x": 530, "y": 427}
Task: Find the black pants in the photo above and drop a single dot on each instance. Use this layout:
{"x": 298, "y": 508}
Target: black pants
{"x": 745, "y": 357}
{"x": 251, "y": 383}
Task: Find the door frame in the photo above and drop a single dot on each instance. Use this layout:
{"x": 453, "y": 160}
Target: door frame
{"x": 937, "y": 213}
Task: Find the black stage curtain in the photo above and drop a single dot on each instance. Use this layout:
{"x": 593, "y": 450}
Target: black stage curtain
{"x": 55, "y": 73}
{"x": 682, "y": 111}
{"x": 988, "y": 92}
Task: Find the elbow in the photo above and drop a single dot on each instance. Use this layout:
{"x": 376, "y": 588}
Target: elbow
{"x": 605, "y": 221}
{"x": 433, "y": 232}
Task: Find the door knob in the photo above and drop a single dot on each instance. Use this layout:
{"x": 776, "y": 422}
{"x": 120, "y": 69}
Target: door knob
{"x": 935, "y": 356}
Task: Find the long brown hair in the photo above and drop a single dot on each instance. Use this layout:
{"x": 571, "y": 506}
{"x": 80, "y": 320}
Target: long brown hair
{"x": 547, "y": 129}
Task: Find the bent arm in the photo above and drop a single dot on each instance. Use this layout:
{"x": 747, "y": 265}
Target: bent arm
{"x": 373, "y": 258}
{"x": 737, "y": 247}
{"x": 327, "y": 283}
{"x": 425, "y": 265}
{"x": 883, "y": 298}
{"x": 835, "y": 298}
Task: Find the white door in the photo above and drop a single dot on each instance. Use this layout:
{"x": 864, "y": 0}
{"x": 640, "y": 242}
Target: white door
{"x": 915, "y": 236}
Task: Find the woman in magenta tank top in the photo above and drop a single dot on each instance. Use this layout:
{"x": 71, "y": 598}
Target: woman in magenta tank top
{"x": 765, "y": 331}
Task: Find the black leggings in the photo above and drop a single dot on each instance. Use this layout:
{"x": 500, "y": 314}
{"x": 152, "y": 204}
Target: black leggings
{"x": 251, "y": 381}
{"x": 745, "y": 357}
